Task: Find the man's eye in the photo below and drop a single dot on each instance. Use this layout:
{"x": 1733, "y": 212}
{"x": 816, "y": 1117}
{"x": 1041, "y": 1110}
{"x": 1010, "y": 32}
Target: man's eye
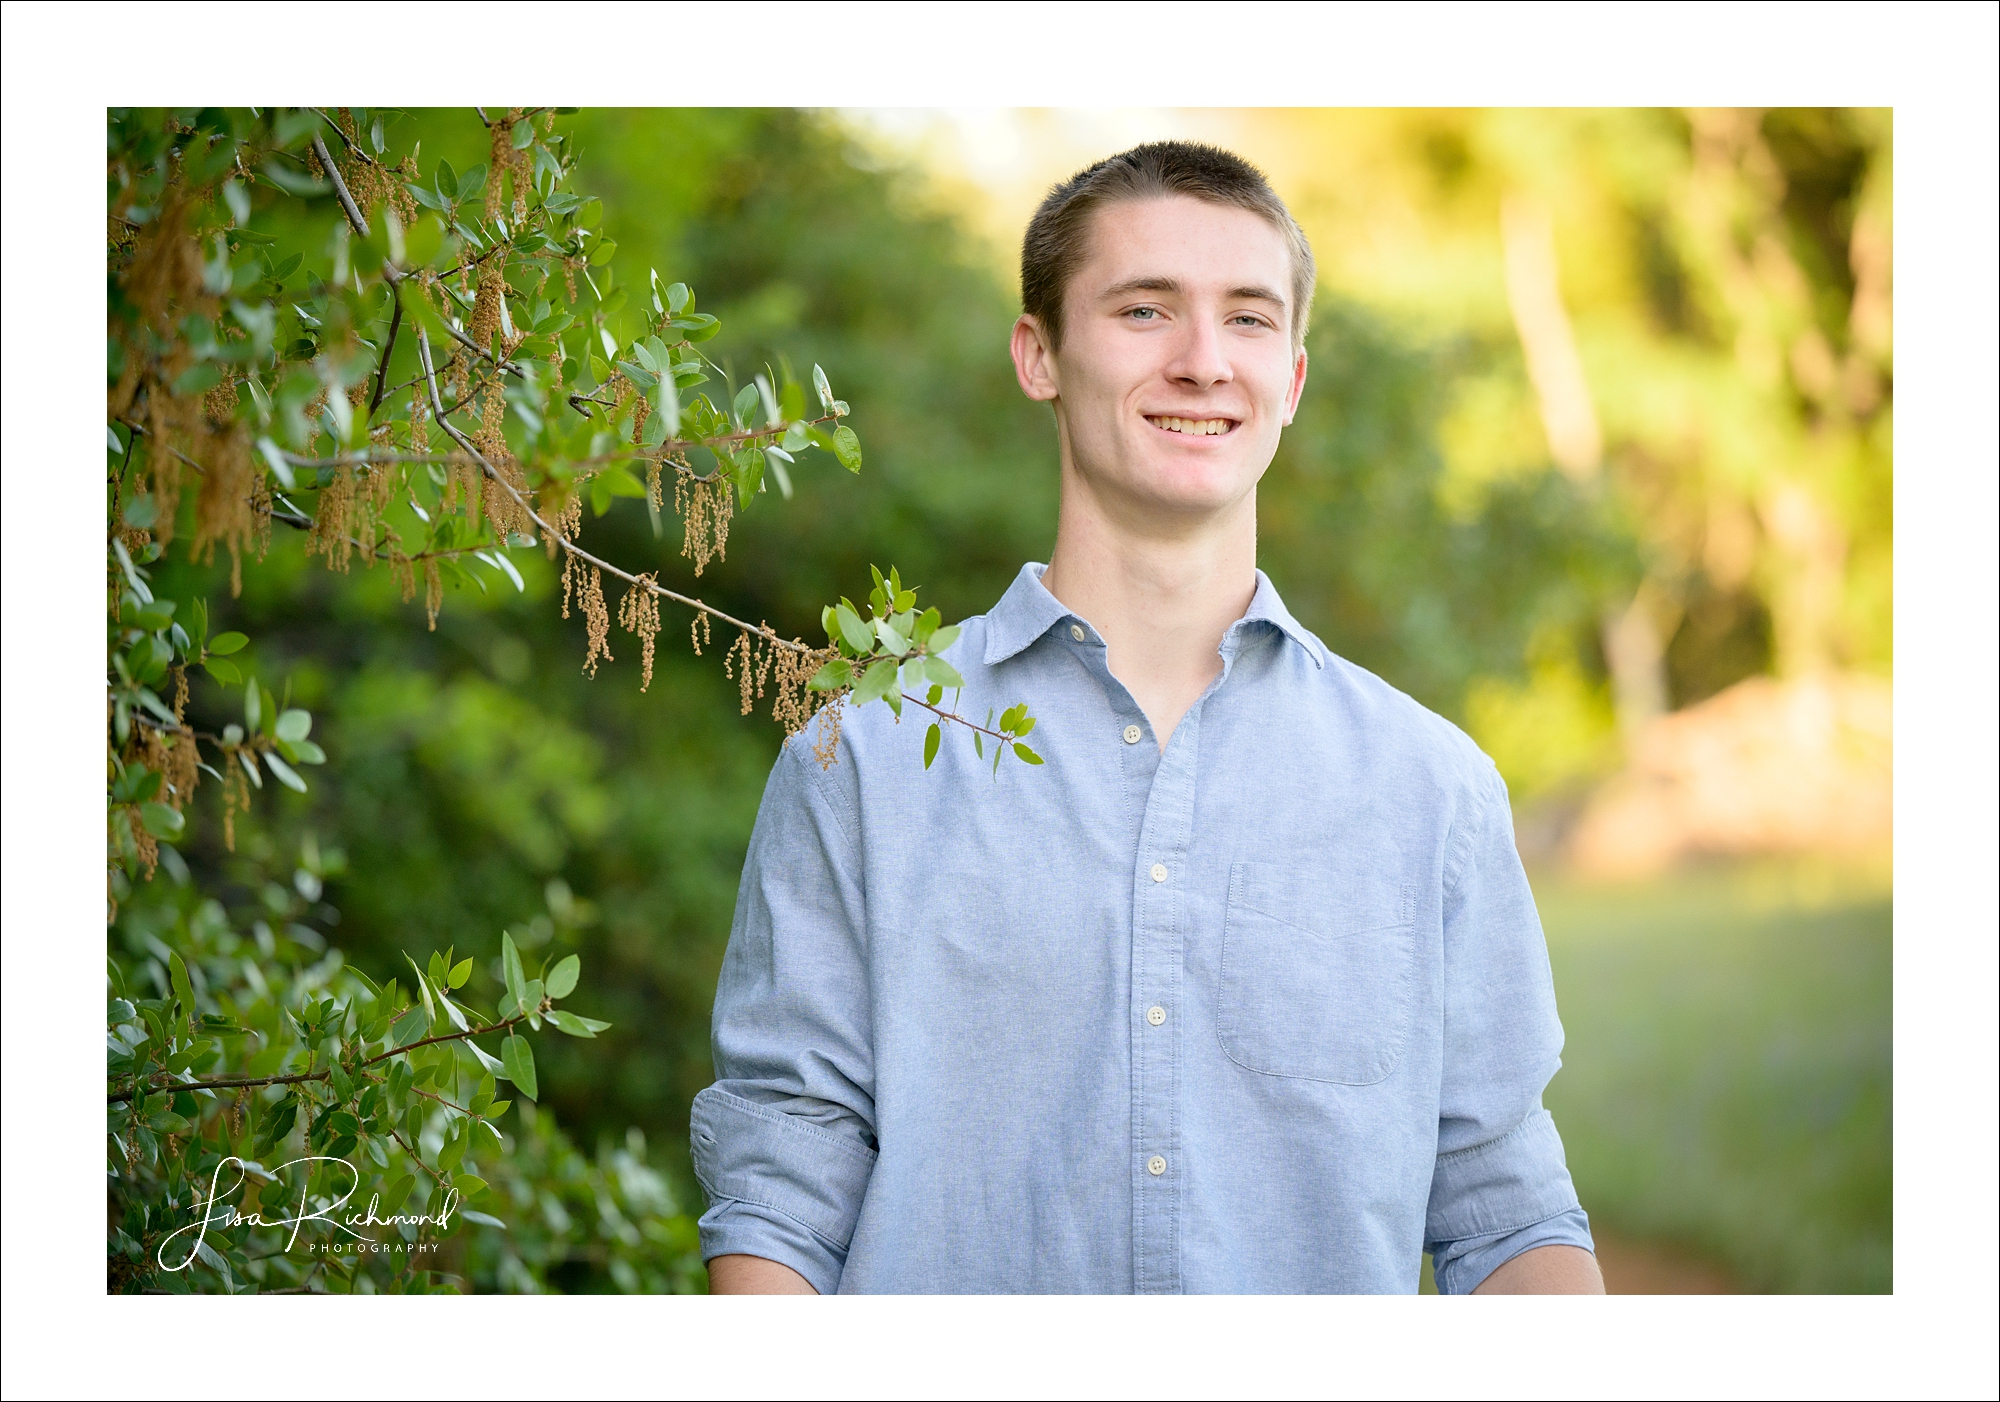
{"x": 1144, "y": 313}
{"x": 1246, "y": 319}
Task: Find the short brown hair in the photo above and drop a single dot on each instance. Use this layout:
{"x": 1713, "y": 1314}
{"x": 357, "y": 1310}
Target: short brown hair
{"x": 1057, "y": 240}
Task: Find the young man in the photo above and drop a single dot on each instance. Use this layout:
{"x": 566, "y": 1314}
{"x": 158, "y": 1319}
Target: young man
{"x": 1244, "y": 989}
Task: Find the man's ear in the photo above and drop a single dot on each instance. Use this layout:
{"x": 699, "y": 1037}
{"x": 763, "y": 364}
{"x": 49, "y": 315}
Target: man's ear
{"x": 1298, "y": 387}
{"x": 1034, "y": 359}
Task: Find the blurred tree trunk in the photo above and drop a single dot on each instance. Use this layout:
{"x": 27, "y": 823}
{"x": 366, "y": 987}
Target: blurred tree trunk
{"x": 1634, "y": 641}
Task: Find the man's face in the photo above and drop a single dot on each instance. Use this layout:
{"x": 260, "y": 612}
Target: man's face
{"x": 1176, "y": 372}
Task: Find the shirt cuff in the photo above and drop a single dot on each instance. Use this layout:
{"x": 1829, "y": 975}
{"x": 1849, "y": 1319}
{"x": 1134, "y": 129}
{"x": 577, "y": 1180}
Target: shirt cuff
{"x": 745, "y": 1229}
{"x": 1461, "y": 1266}
{"x": 777, "y": 1186}
{"x": 1499, "y": 1187}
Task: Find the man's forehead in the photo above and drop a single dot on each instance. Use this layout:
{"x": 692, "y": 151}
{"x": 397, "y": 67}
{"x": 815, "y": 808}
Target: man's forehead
{"x": 1177, "y": 244}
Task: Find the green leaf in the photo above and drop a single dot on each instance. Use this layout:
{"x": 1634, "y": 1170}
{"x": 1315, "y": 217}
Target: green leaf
{"x": 561, "y": 981}
{"x": 1027, "y": 754}
{"x": 824, "y": 389}
{"x": 506, "y": 566}
{"x": 161, "y": 821}
{"x": 253, "y": 706}
{"x": 304, "y": 752}
{"x": 487, "y": 1060}
{"x": 140, "y": 512}
{"x": 286, "y": 775}
{"x": 858, "y": 635}
{"x": 409, "y": 1027}
{"x": 667, "y": 403}
{"x": 510, "y": 966}
{"x": 656, "y": 432}
{"x": 222, "y": 644}
{"x": 177, "y": 976}
{"x": 460, "y": 972}
{"x": 622, "y": 482}
{"x": 294, "y": 725}
{"x": 932, "y": 738}
{"x": 423, "y": 991}
{"x": 876, "y": 682}
{"x": 837, "y": 673}
{"x": 943, "y": 638}
{"x": 224, "y": 672}
{"x": 577, "y": 1026}
{"x": 398, "y": 1192}
{"x": 943, "y": 673}
{"x": 892, "y": 640}
{"x": 847, "y": 448}
{"x": 519, "y": 1059}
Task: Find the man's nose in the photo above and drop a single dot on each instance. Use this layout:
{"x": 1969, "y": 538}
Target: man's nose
{"x": 1199, "y": 360}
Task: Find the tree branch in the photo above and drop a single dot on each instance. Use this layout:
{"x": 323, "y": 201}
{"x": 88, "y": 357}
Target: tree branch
{"x": 248, "y": 1082}
{"x": 388, "y": 349}
{"x": 437, "y": 403}
{"x": 347, "y": 204}
{"x": 942, "y": 714}
{"x": 345, "y": 139}
{"x": 390, "y": 272}
{"x": 417, "y": 1158}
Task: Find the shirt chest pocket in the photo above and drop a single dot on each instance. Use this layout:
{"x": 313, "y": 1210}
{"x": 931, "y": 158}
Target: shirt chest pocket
{"x": 1316, "y": 977}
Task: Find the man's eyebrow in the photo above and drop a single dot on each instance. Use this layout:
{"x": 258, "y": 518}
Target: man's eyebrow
{"x": 1256, "y": 294}
{"x": 1248, "y": 293}
{"x": 1142, "y": 284}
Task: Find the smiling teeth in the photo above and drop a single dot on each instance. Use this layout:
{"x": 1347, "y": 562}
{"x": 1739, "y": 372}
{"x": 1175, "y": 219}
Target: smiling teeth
{"x": 1196, "y": 426}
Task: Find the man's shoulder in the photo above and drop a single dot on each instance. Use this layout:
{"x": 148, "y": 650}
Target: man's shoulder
{"x": 1396, "y": 722}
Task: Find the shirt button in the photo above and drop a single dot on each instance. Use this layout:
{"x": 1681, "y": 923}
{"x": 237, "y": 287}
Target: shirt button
{"x": 1159, "y": 872}
{"x": 1132, "y": 734}
{"x": 1076, "y": 631}
{"x": 1156, "y": 1015}
{"x": 1156, "y": 1165}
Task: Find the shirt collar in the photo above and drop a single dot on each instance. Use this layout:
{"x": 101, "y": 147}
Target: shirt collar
{"x": 1027, "y": 610}
{"x": 1267, "y": 607}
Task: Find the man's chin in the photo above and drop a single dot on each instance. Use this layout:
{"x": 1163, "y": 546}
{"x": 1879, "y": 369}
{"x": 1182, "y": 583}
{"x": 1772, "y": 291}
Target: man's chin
{"x": 1183, "y": 489}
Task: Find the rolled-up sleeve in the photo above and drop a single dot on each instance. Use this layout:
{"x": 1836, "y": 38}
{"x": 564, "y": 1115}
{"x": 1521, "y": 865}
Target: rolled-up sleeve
{"x": 784, "y": 1141}
{"x": 1500, "y": 1185}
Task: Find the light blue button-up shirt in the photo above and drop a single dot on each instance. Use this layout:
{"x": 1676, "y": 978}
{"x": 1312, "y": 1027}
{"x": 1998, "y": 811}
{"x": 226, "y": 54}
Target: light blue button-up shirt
{"x": 1269, "y": 1011}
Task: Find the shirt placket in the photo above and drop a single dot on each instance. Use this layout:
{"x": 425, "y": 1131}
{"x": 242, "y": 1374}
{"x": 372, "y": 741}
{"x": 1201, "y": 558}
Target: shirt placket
{"x": 1160, "y": 875}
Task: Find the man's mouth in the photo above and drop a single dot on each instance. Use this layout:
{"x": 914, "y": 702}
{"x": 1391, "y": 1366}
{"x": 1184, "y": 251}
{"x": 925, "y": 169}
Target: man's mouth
{"x": 1197, "y": 427}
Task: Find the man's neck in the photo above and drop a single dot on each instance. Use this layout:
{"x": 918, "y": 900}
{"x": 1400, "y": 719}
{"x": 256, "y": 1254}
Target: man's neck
{"x": 1162, "y": 598}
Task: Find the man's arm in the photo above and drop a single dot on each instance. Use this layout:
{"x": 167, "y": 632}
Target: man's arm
{"x": 783, "y": 1142}
{"x": 753, "y": 1275}
{"x": 1546, "y": 1270}
{"x": 1503, "y": 1214}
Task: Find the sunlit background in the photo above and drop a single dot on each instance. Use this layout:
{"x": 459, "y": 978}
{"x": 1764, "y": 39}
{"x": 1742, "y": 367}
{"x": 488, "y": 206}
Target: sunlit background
{"x": 1594, "y": 460}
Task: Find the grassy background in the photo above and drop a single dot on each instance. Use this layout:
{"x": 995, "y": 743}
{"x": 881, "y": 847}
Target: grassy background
{"x": 1726, "y": 1082}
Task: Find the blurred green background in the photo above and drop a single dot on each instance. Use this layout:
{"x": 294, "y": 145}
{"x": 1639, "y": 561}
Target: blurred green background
{"x": 1596, "y": 436}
